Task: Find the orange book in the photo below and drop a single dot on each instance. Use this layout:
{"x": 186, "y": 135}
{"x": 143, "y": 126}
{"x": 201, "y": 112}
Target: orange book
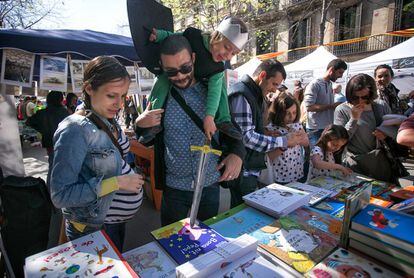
{"x": 380, "y": 202}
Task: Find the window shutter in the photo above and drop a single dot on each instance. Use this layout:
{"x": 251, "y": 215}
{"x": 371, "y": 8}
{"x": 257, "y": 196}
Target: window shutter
{"x": 337, "y": 24}
{"x": 308, "y": 31}
{"x": 358, "y": 20}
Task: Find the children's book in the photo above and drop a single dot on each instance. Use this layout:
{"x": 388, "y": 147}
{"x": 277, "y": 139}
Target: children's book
{"x": 245, "y": 221}
{"x": 405, "y": 206}
{"x": 225, "y": 214}
{"x": 277, "y": 200}
{"x": 403, "y": 194}
{"x": 343, "y": 263}
{"x": 380, "y": 202}
{"x": 317, "y": 193}
{"x": 296, "y": 243}
{"x": 386, "y": 225}
{"x": 381, "y": 188}
{"x": 331, "y": 206}
{"x": 237, "y": 258}
{"x": 91, "y": 255}
{"x": 330, "y": 183}
{"x": 184, "y": 243}
{"x": 319, "y": 220}
{"x": 150, "y": 260}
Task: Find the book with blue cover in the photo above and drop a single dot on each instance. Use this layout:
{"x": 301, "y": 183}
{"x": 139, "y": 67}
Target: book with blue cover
{"x": 184, "y": 243}
{"x": 245, "y": 221}
{"x": 331, "y": 206}
{"x": 387, "y": 225}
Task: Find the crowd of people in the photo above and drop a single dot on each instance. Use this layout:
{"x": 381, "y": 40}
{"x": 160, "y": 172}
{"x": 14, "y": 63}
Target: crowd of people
{"x": 266, "y": 133}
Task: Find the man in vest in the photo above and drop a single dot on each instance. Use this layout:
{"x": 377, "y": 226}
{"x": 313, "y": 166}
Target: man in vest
{"x": 248, "y": 106}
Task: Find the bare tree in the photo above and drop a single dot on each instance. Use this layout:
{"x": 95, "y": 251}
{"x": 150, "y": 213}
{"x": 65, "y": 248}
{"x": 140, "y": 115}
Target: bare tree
{"x": 27, "y": 13}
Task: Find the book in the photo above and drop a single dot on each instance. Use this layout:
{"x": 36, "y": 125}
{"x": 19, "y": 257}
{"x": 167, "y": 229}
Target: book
{"x": 403, "y": 194}
{"x": 381, "y": 256}
{"x": 225, "y": 214}
{"x": 319, "y": 220}
{"x": 381, "y": 188}
{"x": 184, "y": 243}
{"x": 330, "y": 183}
{"x": 317, "y": 193}
{"x": 386, "y": 225}
{"x": 90, "y": 255}
{"x": 298, "y": 244}
{"x": 332, "y": 207}
{"x": 380, "y": 202}
{"x": 384, "y": 247}
{"x": 232, "y": 259}
{"x": 276, "y": 199}
{"x": 343, "y": 263}
{"x": 404, "y": 206}
{"x": 245, "y": 221}
{"x": 150, "y": 260}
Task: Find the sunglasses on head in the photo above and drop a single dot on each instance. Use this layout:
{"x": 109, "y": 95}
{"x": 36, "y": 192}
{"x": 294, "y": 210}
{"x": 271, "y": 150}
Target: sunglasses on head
{"x": 354, "y": 98}
{"x": 184, "y": 69}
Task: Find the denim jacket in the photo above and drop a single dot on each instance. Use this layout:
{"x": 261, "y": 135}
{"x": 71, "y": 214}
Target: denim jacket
{"x": 84, "y": 156}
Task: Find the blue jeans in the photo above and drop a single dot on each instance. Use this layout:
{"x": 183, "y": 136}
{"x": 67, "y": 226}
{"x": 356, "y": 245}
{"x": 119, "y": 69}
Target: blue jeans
{"x": 247, "y": 185}
{"x": 116, "y": 233}
{"x": 176, "y": 204}
{"x": 314, "y": 135}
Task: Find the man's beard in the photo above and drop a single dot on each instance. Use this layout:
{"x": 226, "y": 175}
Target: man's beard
{"x": 186, "y": 81}
{"x": 332, "y": 78}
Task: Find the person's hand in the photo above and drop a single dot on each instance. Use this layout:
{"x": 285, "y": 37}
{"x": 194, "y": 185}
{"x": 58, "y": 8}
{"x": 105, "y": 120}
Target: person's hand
{"x": 273, "y": 133}
{"x": 379, "y": 134}
{"x": 209, "y": 126}
{"x": 357, "y": 110}
{"x": 153, "y": 36}
{"x": 233, "y": 165}
{"x": 275, "y": 153}
{"x": 345, "y": 170}
{"x": 131, "y": 183}
{"x": 149, "y": 118}
{"x": 297, "y": 138}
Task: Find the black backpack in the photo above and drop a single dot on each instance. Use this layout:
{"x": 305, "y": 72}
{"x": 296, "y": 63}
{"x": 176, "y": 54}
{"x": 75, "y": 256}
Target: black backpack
{"x": 26, "y": 212}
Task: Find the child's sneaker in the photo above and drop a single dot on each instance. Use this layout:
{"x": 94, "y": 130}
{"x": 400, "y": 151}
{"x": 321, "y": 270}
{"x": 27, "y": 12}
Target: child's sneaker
{"x": 230, "y": 130}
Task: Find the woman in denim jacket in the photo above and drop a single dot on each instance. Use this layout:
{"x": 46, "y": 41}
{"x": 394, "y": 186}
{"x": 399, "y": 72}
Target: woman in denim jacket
{"x": 88, "y": 169}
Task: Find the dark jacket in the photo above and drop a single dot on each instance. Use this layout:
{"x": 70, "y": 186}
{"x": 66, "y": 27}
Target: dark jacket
{"x": 204, "y": 66}
{"x": 227, "y": 145}
{"x": 254, "y": 160}
{"x": 46, "y": 122}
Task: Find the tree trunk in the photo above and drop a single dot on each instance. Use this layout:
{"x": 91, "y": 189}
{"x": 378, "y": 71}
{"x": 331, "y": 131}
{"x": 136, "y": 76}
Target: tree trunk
{"x": 323, "y": 20}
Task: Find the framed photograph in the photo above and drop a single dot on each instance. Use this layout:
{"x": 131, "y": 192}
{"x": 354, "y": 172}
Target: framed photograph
{"x": 77, "y": 68}
{"x": 17, "y": 68}
{"x": 53, "y": 73}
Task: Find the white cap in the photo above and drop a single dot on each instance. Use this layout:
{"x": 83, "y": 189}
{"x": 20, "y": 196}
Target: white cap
{"x": 232, "y": 31}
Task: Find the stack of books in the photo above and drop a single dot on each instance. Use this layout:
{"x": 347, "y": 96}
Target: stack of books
{"x": 277, "y": 200}
{"x": 406, "y": 206}
{"x": 317, "y": 193}
{"x": 386, "y": 235}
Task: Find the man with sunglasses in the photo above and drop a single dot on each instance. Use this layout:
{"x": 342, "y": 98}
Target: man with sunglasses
{"x": 319, "y": 100}
{"x": 175, "y": 164}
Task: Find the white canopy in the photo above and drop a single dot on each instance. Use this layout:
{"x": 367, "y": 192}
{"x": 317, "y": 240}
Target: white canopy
{"x": 248, "y": 68}
{"x": 309, "y": 67}
{"x": 399, "y": 57}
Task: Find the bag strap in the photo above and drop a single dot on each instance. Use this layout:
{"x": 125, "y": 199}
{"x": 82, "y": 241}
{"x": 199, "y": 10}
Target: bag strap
{"x": 378, "y": 118}
{"x": 190, "y": 112}
{"x": 101, "y": 125}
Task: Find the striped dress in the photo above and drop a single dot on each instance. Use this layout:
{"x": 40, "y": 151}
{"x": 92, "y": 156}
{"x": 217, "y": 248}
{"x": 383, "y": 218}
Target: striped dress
{"x": 125, "y": 204}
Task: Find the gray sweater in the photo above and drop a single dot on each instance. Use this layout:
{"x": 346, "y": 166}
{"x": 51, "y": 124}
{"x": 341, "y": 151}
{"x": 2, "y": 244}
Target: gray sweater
{"x": 360, "y": 131}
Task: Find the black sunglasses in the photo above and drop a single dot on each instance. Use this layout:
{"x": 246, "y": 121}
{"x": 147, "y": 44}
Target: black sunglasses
{"x": 354, "y": 98}
{"x": 184, "y": 69}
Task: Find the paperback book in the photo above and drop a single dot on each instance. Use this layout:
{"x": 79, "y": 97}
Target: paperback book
{"x": 317, "y": 193}
{"x": 277, "y": 200}
{"x": 330, "y": 183}
{"x": 343, "y": 263}
{"x": 332, "y": 207}
{"x": 150, "y": 260}
{"x": 386, "y": 225}
{"x": 184, "y": 243}
{"x": 90, "y": 255}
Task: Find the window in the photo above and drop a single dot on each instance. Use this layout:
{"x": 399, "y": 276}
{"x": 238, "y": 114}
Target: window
{"x": 407, "y": 16}
{"x": 300, "y": 34}
{"x": 348, "y": 22}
